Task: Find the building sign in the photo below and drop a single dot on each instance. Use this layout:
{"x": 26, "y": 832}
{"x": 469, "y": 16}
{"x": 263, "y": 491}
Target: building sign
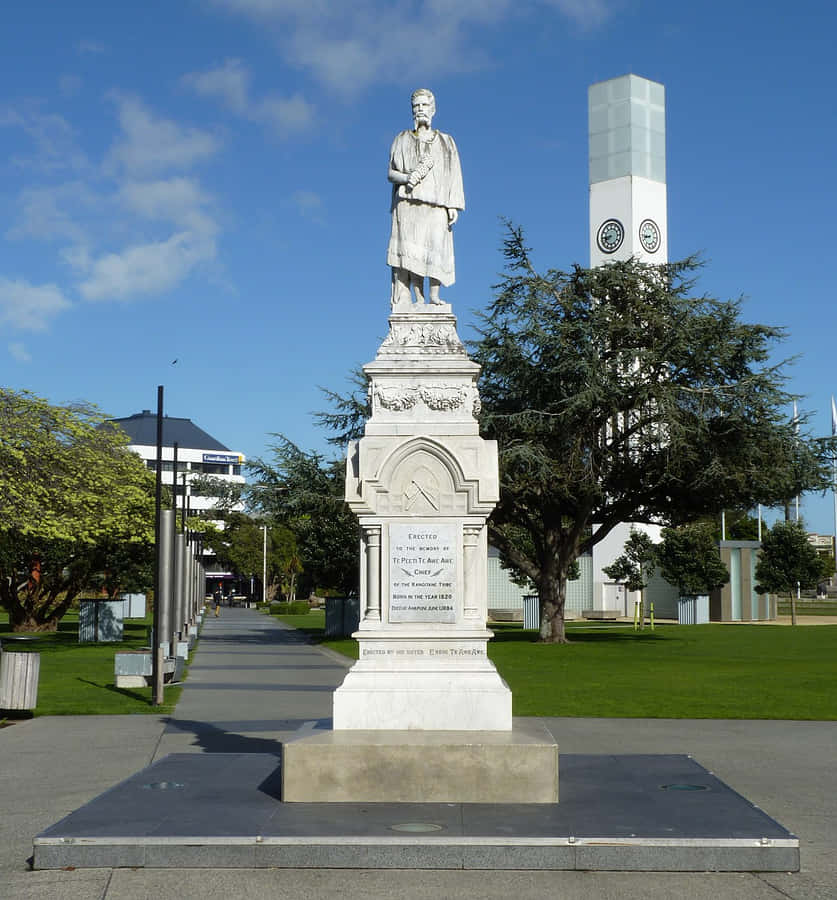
{"x": 422, "y": 573}
{"x": 224, "y": 458}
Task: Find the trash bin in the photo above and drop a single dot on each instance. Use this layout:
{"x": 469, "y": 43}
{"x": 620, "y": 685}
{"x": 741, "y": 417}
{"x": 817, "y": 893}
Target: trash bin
{"x": 693, "y": 610}
{"x": 351, "y": 615}
{"x": 19, "y": 673}
{"x": 342, "y": 616}
{"x": 532, "y": 612}
{"x": 334, "y": 617}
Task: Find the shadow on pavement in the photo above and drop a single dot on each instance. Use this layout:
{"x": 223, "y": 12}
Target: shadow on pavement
{"x": 214, "y": 739}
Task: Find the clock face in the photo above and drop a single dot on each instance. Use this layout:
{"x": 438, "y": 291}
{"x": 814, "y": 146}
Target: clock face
{"x": 649, "y": 235}
{"x": 610, "y": 236}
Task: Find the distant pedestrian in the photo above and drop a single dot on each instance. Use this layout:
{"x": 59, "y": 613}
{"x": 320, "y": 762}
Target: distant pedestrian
{"x": 217, "y": 597}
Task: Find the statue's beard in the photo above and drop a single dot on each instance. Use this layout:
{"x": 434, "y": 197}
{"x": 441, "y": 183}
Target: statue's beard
{"x": 421, "y": 120}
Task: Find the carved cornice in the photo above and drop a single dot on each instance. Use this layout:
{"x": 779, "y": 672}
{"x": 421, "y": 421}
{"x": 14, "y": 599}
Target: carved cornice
{"x": 422, "y": 337}
{"x": 438, "y": 397}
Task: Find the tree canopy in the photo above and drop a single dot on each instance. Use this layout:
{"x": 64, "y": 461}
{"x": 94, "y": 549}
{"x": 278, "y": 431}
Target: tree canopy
{"x": 688, "y": 558}
{"x": 787, "y": 558}
{"x": 618, "y": 395}
{"x": 75, "y": 506}
{"x": 637, "y": 564}
{"x": 241, "y": 546}
{"x": 305, "y": 492}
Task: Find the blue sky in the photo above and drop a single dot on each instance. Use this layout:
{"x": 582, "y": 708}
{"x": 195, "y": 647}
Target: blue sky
{"x": 205, "y": 181}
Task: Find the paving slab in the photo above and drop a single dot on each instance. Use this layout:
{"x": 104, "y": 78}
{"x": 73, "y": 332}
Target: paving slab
{"x": 53, "y": 765}
{"x": 651, "y": 812}
{"x": 253, "y": 682}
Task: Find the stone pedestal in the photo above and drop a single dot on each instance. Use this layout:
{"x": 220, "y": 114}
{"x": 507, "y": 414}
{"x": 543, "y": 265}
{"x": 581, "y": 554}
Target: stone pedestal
{"x": 423, "y": 715}
{"x": 423, "y": 482}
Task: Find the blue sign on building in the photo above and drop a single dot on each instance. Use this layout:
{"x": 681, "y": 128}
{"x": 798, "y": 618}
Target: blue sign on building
{"x": 223, "y": 458}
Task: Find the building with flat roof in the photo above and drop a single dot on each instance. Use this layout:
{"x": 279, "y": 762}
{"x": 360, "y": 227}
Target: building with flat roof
{"x": 197, "y": 453}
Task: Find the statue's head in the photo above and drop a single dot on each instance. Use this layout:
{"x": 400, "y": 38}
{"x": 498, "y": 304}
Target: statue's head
{"x": 424, "y": 105}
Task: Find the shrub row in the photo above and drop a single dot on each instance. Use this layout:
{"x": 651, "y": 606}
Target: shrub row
{"x": 297, "y": 608}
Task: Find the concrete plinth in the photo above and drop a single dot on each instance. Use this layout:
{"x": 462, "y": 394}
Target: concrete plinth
{"x": 517, "y": 766}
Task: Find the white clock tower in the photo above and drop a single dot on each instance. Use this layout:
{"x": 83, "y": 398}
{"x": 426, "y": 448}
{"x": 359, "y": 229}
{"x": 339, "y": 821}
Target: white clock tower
{"x": 627, "y": 149}
{"x": 627, "y": 218}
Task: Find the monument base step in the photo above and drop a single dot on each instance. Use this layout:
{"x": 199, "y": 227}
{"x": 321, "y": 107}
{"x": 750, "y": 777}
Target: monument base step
{"x": 617, "y": 813}
{"x": 517, "y": 766}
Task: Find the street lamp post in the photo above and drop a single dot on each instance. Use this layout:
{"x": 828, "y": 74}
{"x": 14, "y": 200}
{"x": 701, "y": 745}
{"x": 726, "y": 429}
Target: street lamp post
{"x": 264, "y": 563}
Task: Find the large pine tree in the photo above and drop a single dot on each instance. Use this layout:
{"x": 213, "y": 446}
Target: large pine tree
{"x": 618, "y": 395}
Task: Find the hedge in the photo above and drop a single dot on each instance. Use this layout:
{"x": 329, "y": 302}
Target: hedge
{"x": 297, "y": 608}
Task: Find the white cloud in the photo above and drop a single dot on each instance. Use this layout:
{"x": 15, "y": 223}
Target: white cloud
{"x": 350, "y": 45}
{"x": 51, "y": 213}
{"x": 88, "y": 46}
{"x": 150, "y": 143}
{"x": 586, "y": 13}
{"x": 149, "y": 146}
{"x": 53, "y": 139}
{"x": 178, "y": 200}
{"x": 137, "y": 225}
{"x": 230, "y": 83}
{"x": 286, "y": 115}
{"x": 19, "y": 352}
{"x": 69, "y": 85}
{"x": 144, "y": 269}
{"x": 29, "y": 307}
{"x": 77, "y": 257}
{"x": 309, "y": 204}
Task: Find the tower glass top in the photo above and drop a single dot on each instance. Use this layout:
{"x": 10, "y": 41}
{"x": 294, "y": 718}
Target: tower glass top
{"x": 627, "y": 129}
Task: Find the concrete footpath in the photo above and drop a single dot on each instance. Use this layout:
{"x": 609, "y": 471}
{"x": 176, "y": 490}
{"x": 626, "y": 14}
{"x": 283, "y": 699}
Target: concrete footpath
{"x": 254, "y": 683}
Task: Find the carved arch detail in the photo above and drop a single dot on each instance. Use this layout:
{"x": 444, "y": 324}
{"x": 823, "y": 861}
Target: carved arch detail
{"x": 422, "y": 477}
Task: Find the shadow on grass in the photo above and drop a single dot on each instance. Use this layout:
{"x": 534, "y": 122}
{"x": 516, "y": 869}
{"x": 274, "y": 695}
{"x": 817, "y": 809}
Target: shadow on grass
{"x": 511, "y": 634}
{"x": 66, "y": 638}
{"x": 125, "y": 692}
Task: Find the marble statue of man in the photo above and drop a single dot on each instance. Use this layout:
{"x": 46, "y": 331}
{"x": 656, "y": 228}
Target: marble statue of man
{"x": 427, "y": 195}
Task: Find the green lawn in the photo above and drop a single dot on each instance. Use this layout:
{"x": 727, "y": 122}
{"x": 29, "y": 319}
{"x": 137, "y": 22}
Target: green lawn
{"x": 685, "y": 672}
{"x": 78, "y": 679}
{"x": 808, "y": 607}
{"x": 676, "y": 671}
{"x": 313, "y": 624}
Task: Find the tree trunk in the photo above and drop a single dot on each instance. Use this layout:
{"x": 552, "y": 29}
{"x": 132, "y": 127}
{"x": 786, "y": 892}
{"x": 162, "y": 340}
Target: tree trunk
{"x": 22, "y": 621}
{"x": 552, "y": 593}
{"x": 36, "y": 607}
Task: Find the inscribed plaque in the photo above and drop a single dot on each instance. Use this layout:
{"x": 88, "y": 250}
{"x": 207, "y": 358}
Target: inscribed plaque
{"x": 422, "y": 573}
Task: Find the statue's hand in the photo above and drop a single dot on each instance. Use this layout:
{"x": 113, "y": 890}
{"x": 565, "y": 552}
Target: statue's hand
{"x": 453, "y": 215}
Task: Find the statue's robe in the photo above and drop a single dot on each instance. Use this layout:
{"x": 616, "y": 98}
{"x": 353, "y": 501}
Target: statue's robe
{"x": 421, "y": 240}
